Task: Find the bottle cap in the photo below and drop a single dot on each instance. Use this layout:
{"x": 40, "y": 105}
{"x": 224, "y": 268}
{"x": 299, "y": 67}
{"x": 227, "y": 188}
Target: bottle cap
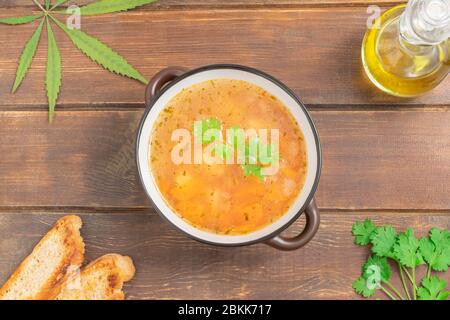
{"x": 426, "y": 21}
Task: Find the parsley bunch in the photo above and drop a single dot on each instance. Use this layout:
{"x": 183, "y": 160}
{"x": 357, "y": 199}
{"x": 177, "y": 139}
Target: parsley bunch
{"x": 93, "y": 48}
{"x": 408, "y": 252}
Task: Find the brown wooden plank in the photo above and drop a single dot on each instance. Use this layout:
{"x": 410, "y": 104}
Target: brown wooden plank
{"x": 392, "y": 159}
{"x": 169, "y": 265}
{"x": 314, "y": 51}
{"x": 222, "y": 3}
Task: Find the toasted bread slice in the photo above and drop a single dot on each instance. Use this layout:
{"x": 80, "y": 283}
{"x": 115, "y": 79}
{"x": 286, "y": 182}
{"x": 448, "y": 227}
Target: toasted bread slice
{"x": 102, "y": 279}
{"x": 41, "y": 274}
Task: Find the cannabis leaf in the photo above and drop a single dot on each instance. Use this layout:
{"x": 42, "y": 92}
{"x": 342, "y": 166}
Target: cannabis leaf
{"x": 108, "y": 6}
{"x": 362, "y": 231}
{"x": 58, "y": 3}
{"x": 90, "y": 46}
{"x": 27, "y": 56}
{"x": 432, "y": 289}
{"x": 101, "y": 53}
{"x": 20, "y": 20}
{"x": 53, "y": 75}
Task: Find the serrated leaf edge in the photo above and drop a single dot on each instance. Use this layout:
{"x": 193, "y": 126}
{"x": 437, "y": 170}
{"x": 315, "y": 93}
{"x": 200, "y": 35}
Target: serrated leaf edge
{"x": 27, "y": 56}
{"x": 72, "y": 35}
{"x": 53, "y": 72}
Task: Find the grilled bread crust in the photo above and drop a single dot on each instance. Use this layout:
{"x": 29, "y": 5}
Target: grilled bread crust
{"x": 57, "y": 255}
{"x": 102, "y": 279}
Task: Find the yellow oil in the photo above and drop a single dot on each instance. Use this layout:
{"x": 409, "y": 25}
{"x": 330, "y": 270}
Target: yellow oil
{"x": 399, "y": 68}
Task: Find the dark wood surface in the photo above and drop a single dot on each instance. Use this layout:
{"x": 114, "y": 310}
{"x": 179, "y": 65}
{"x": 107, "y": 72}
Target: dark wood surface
{"x": 223, "y": 4}
{"x": 384, "y": 158}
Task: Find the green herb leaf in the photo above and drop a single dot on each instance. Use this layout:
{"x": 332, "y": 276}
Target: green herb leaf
{"x": 380, "y": 264}
{"x": 200, "y": 128}
{"x": 58, "y": 3}
{"x": 223, "y": 150}
{"x": 27, "y": 56}
{"x": 440, "y": 237}
{"x": 360, "y": 286}
{"x": 101, "y": 53}
{"x": 109, "y": 6}
{"x": 20, "y": 20}
{"x": 53, "y": 74}
{"x": 252, "y": 170}
{"x": 407, "y": 249}
{"x": 383, "y": 240}
{"x": 362, "y": 231}
{"x": 47, "y": 4}
{"x": 436, "y": 249}
{"x": 432, "y": 289}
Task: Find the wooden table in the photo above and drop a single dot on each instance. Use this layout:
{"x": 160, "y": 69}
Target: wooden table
{"x": 384, "y": 158}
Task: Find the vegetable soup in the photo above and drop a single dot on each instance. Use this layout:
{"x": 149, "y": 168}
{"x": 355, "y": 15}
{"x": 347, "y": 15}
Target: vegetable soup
{"x": 228, "y": 196}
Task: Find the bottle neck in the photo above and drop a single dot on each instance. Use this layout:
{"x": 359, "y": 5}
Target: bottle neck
{"x": 426, "y": 22}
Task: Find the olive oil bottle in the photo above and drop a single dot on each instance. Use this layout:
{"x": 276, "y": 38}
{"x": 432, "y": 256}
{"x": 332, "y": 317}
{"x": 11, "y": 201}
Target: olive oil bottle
{"x": 407, "y": 50}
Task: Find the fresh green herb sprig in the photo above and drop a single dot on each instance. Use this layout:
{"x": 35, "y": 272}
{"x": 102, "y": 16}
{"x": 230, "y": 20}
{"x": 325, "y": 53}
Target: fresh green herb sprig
{"x": 225, "y": 150}
{"x": 90, "y": 46}
{"x": 408, "y": 252}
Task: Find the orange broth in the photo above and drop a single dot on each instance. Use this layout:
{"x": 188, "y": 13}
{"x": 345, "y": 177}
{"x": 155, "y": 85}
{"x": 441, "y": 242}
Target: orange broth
{"x": 219, "y": 198}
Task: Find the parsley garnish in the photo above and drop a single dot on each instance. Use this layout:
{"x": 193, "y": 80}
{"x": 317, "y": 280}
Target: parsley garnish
{"x": 253, "y": 161}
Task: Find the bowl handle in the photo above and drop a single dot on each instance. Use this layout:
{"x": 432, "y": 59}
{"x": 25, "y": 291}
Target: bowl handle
{"x": 160, "y": 79}
{"x": 311, "y": 227}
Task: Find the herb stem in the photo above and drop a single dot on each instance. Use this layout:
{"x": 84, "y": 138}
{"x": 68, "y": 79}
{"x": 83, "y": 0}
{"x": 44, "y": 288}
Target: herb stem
{"x": 56, "y": 5}
{"x": 414, "y": 280}
{"x": 402, "y": 275}
{"x": 409, "y": 276}
{"x": 387, "y": 292}
{"x": 390, "y": 285}
{"x": 429, "y": 271}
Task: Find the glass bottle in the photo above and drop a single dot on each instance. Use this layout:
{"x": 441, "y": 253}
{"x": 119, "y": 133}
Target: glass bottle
{"x": 407, "y": 51}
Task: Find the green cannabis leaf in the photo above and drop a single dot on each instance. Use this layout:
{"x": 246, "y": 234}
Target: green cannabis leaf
{"x": 20, "y": 20}
{"x": 90, "y": 46}
{"x": 58, "y": 3}
{"x": 101, "y": 53}
{"x": 27, "y": 56}
{"x": 408, "y": 253}
{"x": 53, "y": 74}
{"x": 109, "y": 6}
